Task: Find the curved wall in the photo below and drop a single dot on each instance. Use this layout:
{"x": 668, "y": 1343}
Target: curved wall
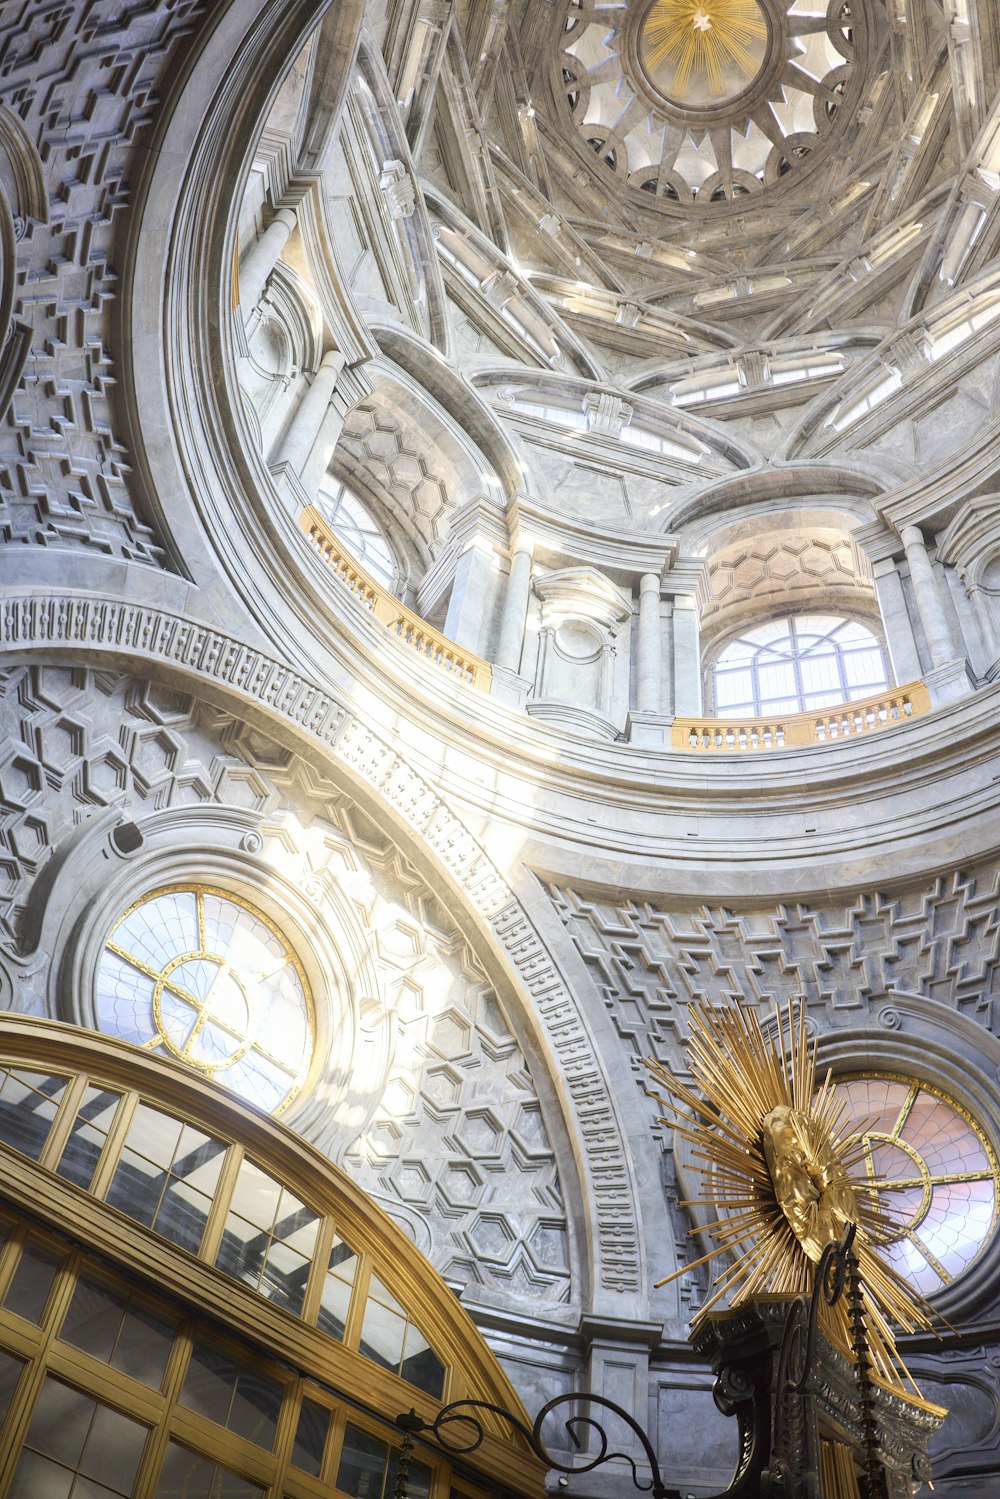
{"x": 598, "y": 439}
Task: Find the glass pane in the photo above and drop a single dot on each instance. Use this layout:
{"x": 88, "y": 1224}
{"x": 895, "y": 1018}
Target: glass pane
{"x": 184, "y": 1475}
{"x": 137, "y": 1187}
{"x": 285, "y": 1277}
{"x": 363, "y": 1464}
{"x": 144, "y": 1346}
{"x": 733, "y": 687}
{"x": 421, "y": 1365}
{"x": 94, "y": 1318}
{"x": 382, "y": 1335}
{"x": 296, "y": 1224}
{"x": 210, "y": 1383}
{"x": 38, "y": 1477}
{"x": 379, "y": 1291}
{"x": 310, "y": 1437}
{"x": 154, "y": 1135}
{"x": 199, "y": 1160}
{"x": 61, "y": 1422}
{"x": 336, "y": 1298}
{"x": 255, "y": 1408}
{"x": 256, "y": 1196}
{"x": 113, "y": 1451}
{"x": 28, "y": 1104}
{"x": 29, "y": 1290}
{"x": 88, "y": 1136}
{"x": 182, "y": 1214}
{"x": 10, "y": 1373}
{"x": 242, "y": 1251}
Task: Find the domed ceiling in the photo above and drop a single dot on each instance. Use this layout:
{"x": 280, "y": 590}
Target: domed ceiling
{"x": 706, "y": 101}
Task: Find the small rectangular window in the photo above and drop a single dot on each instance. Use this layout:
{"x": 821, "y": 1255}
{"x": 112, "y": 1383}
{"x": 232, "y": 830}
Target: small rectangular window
{"x": 269, "y": 1238}
{"x": 88, "y": 1136}
{"x": 73, "y": 1436}
{"x": 167, "y": 1175}
{"x": 119, "y": 1330}
{"x": 310, "y": 1437}
{"x": 185, "y": 1475}
{"x": 232, "y": 1392}
{"x": 32, "y": 1282}
{"x": 29, "y": 1102}
{"x": 390, "y": 1339}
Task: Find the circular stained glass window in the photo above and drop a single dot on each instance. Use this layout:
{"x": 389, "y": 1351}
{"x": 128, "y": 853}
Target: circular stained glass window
{"x": 935, "y": 1173}
{"x": 197, "y": 974}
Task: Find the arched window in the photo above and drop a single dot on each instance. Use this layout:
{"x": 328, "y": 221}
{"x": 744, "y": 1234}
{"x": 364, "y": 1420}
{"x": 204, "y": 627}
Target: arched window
{"x": 797, "y": 664}
{"x": 348, "y": 518}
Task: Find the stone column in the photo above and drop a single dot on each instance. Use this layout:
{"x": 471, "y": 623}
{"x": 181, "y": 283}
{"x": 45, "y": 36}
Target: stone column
{"x": 472, "y": 599}
{"x": 937, "y": 631}
{"x": 515, "y": 606}
{"x": 262, "y": 257}
{"x": 896, "y": 622}
{"x": 687, "y": 658}
{"x": 306, "y": 441}
{"x": 649, "y": 667}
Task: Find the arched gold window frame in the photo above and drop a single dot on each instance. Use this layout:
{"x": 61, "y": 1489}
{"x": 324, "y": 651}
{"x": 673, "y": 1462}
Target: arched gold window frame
{"x": 75, "y": 1221}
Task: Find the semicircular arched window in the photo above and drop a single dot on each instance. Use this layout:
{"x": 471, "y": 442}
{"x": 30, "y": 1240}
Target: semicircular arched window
{"x": 797, "y": 664}
{"x": 350, "y": 521}
{"x": 933, "y": 1171}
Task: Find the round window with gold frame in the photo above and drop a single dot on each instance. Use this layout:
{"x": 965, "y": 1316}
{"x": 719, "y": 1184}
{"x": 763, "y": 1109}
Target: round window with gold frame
{"x": 201, "y": 975}
{"x": 935, "y": 1175}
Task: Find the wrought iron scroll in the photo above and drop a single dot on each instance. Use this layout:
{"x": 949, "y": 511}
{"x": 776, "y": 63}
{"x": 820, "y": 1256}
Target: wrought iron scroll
{"x": 579, "y": 1428}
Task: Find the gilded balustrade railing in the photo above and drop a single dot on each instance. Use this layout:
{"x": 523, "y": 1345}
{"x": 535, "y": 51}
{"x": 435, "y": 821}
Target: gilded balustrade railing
{"x": 845, "y": 721}
{"x": 402, "y": 622}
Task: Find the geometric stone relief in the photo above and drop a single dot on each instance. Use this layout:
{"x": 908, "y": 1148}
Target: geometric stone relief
{"x": 83, "y": 79}
{"x": 940, "y": 939}
{"x": 392, "y": 455}
{"x": 456, "y": 1137}
{"x": 158, "y": 640}
{"x": 801, "y": 566}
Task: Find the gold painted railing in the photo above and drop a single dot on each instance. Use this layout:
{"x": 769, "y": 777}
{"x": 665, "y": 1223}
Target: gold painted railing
{"x": 402, "y": 622}
{"x": 845, "y": 721}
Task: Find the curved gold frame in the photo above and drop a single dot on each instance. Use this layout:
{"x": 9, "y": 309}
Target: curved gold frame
{"x": 161, "y": 980}
{"x": 924, "y": 1179}
{"x": 333, "y": 1371}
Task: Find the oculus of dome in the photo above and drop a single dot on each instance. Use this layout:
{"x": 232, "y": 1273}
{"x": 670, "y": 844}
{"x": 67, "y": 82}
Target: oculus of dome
{"x": 709, "y": 100}
{"x": 702, "y": 54}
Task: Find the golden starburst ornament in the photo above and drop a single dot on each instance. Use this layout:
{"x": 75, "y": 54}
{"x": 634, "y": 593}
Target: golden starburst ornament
{"x": 782, "y": 1174}
{"x": 700, "y": 51}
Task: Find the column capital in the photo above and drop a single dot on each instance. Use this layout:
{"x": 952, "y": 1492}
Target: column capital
{"x": 912, "y": 536}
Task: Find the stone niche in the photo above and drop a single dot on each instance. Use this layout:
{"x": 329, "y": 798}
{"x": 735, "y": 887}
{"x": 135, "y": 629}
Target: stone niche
{"x": 581, "y": 670}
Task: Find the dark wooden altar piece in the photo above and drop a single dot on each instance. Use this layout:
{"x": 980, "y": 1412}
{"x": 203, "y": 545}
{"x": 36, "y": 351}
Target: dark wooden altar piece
{"x": 807, "y": 1428}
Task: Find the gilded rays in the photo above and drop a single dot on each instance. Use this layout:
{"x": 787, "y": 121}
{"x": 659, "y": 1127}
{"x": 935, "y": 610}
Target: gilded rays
{"x": 781, "y": 1172}
{"x": 699, "y": 42}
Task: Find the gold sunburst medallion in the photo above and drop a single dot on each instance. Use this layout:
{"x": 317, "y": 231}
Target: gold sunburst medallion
{"x": 782, "y": 1173}
{"x": 701, "y": 53}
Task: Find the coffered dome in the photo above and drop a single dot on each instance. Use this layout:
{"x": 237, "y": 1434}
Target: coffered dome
{"x": 709, "y": 100}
